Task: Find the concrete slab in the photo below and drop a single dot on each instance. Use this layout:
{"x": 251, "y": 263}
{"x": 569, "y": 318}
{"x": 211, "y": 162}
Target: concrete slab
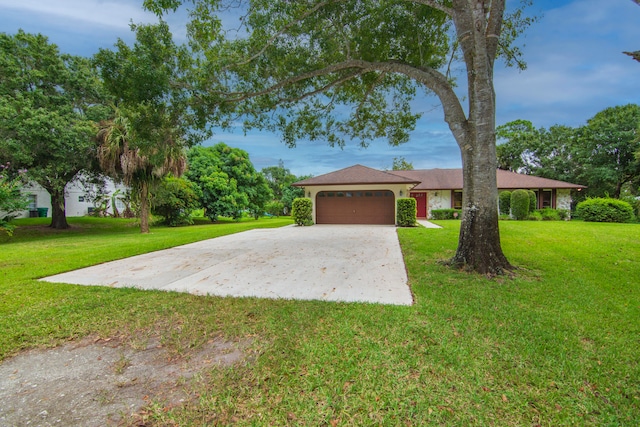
{"x": 353, "y": 263}
{"x": 427, "y": 224}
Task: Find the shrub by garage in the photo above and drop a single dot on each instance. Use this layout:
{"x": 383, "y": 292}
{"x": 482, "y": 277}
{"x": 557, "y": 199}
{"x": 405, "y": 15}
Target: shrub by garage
{"x": 302, "y": 211}
{"x": 406, "y": 216}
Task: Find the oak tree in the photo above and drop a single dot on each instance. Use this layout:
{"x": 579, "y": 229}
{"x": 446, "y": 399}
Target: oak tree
{"x": 49, "y": 108}
{"x": 342, "y": 70}
{"x": 229, "y": 184}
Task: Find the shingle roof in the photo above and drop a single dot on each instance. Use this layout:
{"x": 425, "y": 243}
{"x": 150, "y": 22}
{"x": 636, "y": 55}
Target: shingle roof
{"x": 428, "y": 179}
{"x": 451, "y": 179}
{"x": 356, "y": 174}
{"x": 435, "y": 179}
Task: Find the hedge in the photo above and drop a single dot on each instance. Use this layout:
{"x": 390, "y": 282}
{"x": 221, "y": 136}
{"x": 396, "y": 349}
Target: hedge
{"x": 600, "y": 209}
{"x": 446, "y": 213}
{"x": 520, "y": 204}
{"x": 533, "y": 201}
{"x": 406, "y": 209}
{"x": 504, "y": 202}
{"x": 302, "y": 211}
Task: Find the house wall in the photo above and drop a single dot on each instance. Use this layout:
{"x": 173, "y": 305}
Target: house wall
{"x": 438, "y": 199}
{"x": 399, "y": 191}
{"x": 563, "y": 199}
{"x": 77, "y": 202}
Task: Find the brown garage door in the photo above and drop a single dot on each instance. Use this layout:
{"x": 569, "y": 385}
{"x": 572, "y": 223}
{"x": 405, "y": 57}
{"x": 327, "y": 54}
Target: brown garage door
{"x": 355, "y": 207}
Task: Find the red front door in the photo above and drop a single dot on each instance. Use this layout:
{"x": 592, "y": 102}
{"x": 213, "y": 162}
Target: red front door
{"x": 421, "y": 204}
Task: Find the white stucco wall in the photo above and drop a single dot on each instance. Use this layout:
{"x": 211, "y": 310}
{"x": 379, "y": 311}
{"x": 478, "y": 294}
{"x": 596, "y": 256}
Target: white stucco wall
{"x": 563, "y": 199}
{"x": 440, "y": 199}
{"x": 77, "y": 203}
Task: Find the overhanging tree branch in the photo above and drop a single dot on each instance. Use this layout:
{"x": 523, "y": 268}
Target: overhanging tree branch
{"x": 284, "y": 29}
{"x": 432, "y": 79}
{"x": 434, "y": 4}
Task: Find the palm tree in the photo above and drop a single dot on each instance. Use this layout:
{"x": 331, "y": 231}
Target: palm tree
{"x": 139, "y": 162}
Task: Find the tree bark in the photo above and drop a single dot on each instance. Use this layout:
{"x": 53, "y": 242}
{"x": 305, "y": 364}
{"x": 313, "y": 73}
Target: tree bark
{"x": 58, "y": 209}
{"x": 144, "y": 207}
{"x": 479, "y": 247}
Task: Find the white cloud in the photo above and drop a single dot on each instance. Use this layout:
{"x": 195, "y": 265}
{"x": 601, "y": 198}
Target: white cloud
{"x": 576, "y": 65}
{"x": 113, "y": 13}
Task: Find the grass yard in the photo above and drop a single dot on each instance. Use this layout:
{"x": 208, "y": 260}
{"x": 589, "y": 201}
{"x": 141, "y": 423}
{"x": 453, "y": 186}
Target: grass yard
{"x": 557, "y": 345}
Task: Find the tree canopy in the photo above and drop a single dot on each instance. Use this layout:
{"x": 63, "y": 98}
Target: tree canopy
{"x": 279, "y": 180}
{"x": 228, "y": 182}
{"x": 49, "y": 107}
{"x": 342, "y": 70}
{"x": 153, "y": 119}
{"x": 401, "y": 164}
{"x": 600, "y": 154}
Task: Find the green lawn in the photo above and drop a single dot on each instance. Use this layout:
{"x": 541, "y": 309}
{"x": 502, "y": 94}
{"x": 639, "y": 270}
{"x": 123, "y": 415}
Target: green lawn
{"x": 557, "y": 345}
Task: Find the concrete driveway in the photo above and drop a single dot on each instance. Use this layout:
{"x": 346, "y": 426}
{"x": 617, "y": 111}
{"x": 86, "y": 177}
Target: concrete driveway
{"x": 324, "y": 262}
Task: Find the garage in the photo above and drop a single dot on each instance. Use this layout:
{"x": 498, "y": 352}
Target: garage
{"x": 355, "y": 207}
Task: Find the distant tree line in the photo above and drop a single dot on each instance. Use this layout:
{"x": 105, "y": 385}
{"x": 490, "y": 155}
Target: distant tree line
{"x": 130, "y": 114}
{"x": 604, "y": 154}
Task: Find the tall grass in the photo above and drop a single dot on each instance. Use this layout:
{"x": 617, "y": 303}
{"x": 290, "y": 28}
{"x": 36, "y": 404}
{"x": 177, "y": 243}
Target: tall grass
{"x": 557, "y": 344}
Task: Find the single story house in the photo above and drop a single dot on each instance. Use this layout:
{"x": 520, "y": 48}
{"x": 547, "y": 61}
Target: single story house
{"x": 79, "y": 200}
{"x": 362, "y": 195}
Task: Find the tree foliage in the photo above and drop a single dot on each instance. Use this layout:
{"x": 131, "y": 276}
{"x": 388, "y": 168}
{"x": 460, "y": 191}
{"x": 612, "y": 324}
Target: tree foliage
{"x": 610, "y": 141}
{"x": 153, "y": 118}
{"x": 636, "y": 54}
{"x": 400, "y": 164}
{"x": 342, "y": 70}
{"x": 228, "y": 182}
{"x": 12, "y": 201}
{"x": 49, "y": 105}
{"x": 279, "y": 180}
{"x": 174, "y": 199}
{"x": 601, "y": 154}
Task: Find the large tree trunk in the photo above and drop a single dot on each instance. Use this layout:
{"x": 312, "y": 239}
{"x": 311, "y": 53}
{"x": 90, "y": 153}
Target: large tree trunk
{"x": 58, "y": 209}
{"x": 479, "y": 247}
{"x": 144, "y": 207}
{"x": 479, "y": 242}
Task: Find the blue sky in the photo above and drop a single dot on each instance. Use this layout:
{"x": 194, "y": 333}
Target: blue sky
{"x": 575, "y": 69}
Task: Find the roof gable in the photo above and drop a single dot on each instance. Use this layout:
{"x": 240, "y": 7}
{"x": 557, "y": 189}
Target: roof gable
{"x": 356, "y": 174}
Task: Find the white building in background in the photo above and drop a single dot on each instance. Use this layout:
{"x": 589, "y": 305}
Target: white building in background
{"x": 80, "y": 200}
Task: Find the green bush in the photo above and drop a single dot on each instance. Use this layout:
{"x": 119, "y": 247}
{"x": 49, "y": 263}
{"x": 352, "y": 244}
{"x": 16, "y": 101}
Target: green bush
{"x": 520, "y": 204}
{"x": 533, "y": 201}
{"x": 548, "y": 214}
{"x": 504, "y": 202}
{"x": 174, "y": 199}
{"x": 446, "y": 213}
{"x": 12, "y": 201}
{"x": 535, "y": 216}
{"x": 302, "y": 211}
{"x": 635, "y": 204}
{"x": 274, "y": 208}
{"x": 600, "y": 209}
{"x": 406, "y": 212}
